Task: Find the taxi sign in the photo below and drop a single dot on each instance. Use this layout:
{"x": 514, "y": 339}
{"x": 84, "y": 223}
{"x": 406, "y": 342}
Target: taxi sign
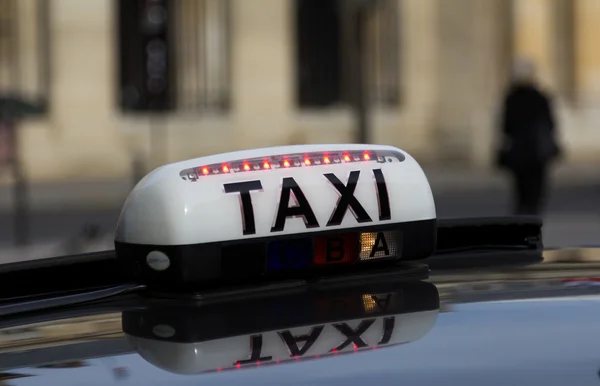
{"x": 280, "y": 209}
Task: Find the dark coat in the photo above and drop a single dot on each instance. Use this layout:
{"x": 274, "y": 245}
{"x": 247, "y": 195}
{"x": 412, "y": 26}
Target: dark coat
{"x": 528, "y": 126}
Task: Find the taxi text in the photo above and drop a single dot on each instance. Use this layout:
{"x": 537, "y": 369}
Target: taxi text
{"x": 291, "y": 189}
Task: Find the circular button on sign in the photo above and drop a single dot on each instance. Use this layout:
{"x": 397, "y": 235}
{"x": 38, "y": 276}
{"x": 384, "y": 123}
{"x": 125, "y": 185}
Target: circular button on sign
{"x": 163, "y": 331}
{"x": 158, "y": 261}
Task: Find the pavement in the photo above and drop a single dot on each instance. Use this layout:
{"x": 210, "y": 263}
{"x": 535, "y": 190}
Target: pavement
{"x": 59, "y": 211}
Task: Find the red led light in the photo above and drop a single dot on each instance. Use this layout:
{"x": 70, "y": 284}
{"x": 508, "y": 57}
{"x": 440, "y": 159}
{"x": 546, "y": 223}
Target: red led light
{"x": 288, "y": 161}
{"x": 339, "y": 249}
{"x": 238, "y": 365}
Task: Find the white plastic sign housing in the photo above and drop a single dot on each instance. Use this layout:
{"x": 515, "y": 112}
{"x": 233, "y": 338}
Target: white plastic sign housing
{"x": 273, "y": 192}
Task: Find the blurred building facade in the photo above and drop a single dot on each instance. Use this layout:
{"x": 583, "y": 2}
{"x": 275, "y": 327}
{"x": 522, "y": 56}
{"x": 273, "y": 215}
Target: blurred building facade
{"x": 170, "y": 80}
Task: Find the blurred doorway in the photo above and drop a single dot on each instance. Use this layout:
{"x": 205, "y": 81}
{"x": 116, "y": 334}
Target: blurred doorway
{"x": 348, "y": 54}
{"x": 325, "y": 32}
{"x": 318, "y": 53}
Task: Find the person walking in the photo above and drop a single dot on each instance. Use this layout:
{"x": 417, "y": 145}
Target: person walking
{"x": 529, "y": 144}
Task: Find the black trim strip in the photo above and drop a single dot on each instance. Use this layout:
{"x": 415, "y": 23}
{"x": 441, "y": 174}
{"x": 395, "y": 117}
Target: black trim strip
{"x": 245, "y": 261}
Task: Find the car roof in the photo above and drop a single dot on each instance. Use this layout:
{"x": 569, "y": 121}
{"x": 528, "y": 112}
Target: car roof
{"x": 523, "y": 324}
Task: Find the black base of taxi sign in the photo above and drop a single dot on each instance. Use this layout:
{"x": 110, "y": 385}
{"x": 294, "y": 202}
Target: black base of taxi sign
{"x": 349, "y": 302}
{"x": 397, "y": 272}
{"x": 487, "y": 242}
{"x": 299, "y": 256}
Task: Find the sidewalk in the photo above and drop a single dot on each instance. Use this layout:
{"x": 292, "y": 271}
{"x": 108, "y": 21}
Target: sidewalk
{"x": 110, "y": 194}
{"x": 56, "y": 196}
{"x": 448, "y": 180}
{"x": 61, "y": 247}
{"x": 559, "y": 231}
{"x": 60, "y": 211}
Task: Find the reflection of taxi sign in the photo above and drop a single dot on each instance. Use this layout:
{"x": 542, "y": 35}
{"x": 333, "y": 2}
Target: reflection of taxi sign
{"x": 324, "y": 324}
{"x": 286, "y": 345}
{"x": 277, "y": 211}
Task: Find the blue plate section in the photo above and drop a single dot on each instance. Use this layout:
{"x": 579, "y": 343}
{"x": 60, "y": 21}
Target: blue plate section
{"x": 289, "y": 254}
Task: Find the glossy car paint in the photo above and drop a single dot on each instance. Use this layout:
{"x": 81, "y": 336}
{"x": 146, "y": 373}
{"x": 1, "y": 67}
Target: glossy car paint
{"x": 551, "y": 338}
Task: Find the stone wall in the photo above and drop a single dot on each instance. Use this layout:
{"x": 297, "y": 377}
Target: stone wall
{"x": 454, "y": 56}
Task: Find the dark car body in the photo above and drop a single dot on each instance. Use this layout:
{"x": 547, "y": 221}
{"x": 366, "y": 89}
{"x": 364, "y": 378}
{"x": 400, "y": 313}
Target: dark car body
{"x": 537, "y": 324}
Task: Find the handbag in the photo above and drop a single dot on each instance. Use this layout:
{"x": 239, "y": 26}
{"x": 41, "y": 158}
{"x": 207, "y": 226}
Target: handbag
{"x": 537, "y": 147}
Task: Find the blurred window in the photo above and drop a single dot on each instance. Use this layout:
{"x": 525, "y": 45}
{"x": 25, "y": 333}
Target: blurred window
{"x": 320, "y": 54}
{"x": 174, "y": 55}
{"x": 24, "y": 49}
{"x": 318, "y": 47}
{"x": 383, "y": 37}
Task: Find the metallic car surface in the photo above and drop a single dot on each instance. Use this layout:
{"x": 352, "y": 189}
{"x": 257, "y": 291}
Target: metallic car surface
{"x": 538, "y": 324}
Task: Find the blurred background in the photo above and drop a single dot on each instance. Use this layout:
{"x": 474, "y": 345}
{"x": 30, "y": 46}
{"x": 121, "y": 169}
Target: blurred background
{"x": 96, "y": 93}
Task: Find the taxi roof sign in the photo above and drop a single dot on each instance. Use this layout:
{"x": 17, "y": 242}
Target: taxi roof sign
{"x": 243, "y": 203}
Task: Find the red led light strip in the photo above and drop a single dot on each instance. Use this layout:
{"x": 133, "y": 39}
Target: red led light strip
{"x": 296, "y": 358}
{"x": 292, "y": 161}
